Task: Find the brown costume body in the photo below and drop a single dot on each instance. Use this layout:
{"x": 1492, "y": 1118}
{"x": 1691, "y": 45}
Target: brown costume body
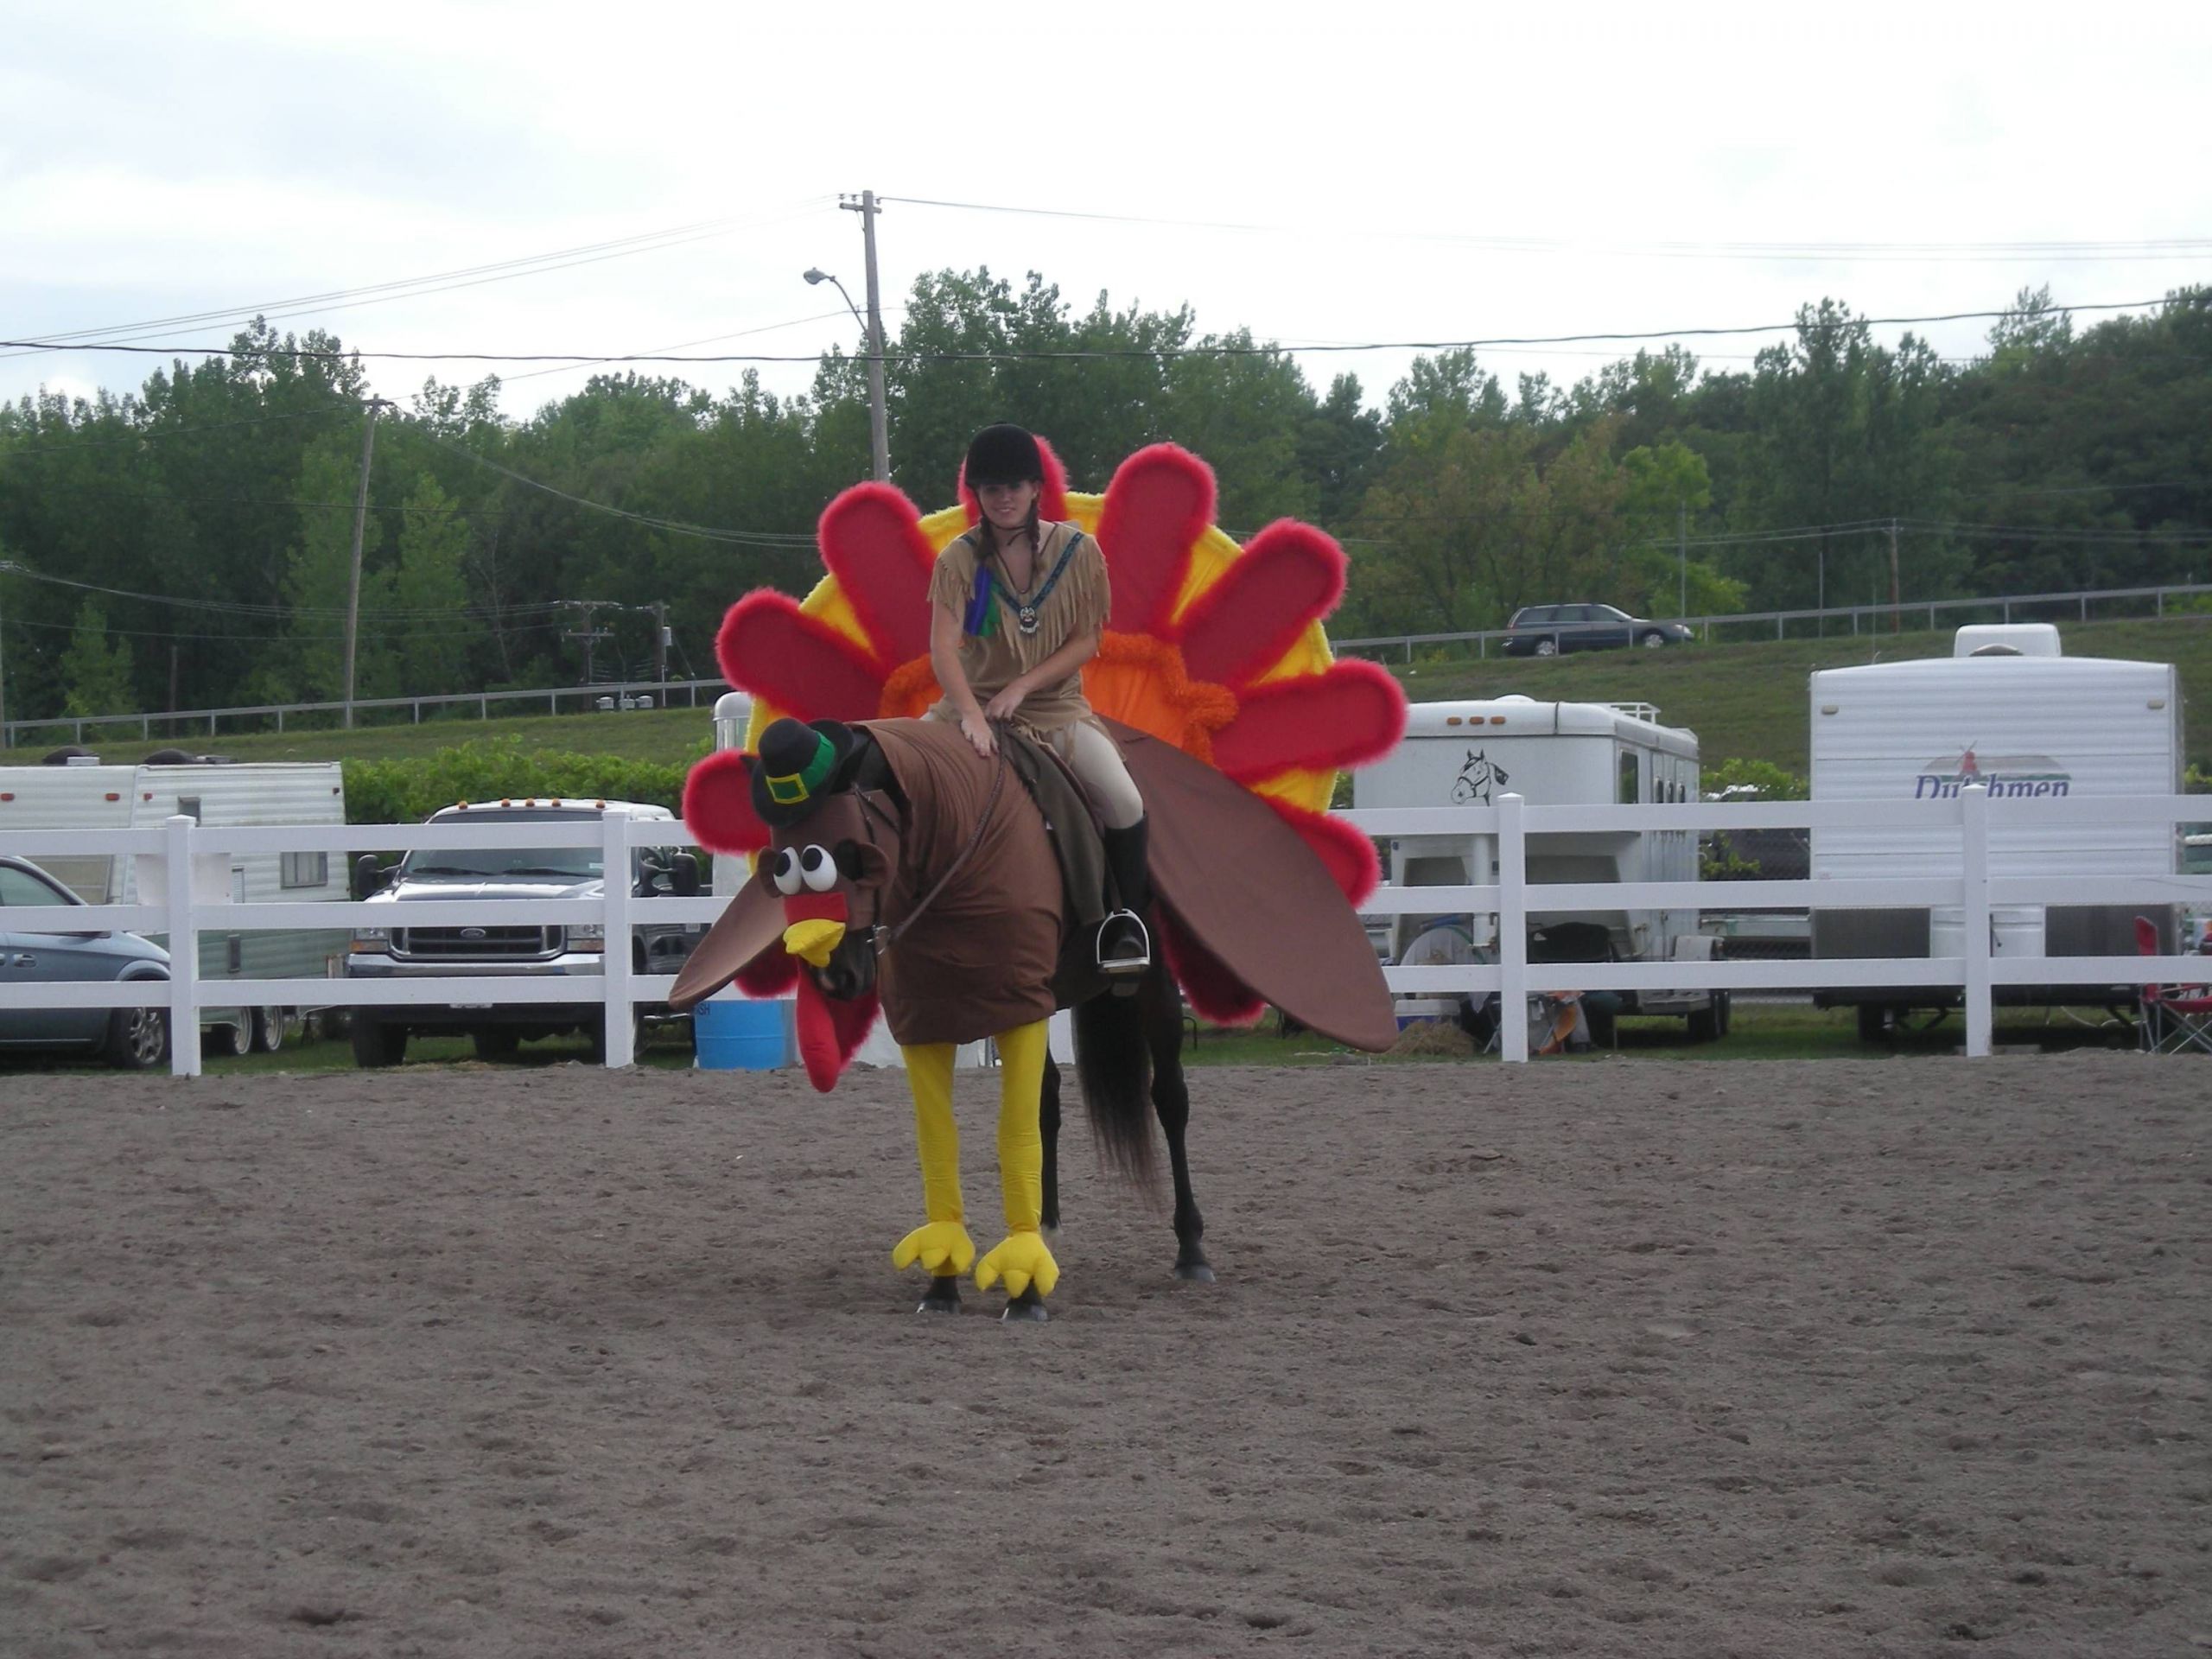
{"x": 981, "y": 958}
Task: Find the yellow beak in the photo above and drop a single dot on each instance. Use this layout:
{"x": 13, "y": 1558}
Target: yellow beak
{"x": 812, "y": 941}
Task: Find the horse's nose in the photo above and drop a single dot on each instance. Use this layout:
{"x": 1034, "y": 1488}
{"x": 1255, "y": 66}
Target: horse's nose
{"x": 814, "y": 939}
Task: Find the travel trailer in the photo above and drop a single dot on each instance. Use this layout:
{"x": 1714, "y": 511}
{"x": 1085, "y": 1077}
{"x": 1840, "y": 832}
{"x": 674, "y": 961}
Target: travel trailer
{"x": 78, "y": 792}
{"x": 2008, "y": 710}
{"x": 1552, "y": 754}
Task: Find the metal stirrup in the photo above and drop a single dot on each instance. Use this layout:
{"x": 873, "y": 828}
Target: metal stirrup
{"x": 1117, "y": 965}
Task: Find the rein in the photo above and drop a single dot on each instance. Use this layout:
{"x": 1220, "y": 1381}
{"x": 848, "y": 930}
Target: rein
{"x": 975, "y": 840}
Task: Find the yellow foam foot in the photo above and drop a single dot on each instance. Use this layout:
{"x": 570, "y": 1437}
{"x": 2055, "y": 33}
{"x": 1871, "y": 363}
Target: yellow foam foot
{"x": 1021, "y": 1260}
{"x": 942, "y": 1246}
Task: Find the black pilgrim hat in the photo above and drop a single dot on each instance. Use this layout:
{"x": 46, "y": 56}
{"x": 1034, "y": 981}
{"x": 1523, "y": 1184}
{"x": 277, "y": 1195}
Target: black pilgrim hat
{"x": 797, "y": 765}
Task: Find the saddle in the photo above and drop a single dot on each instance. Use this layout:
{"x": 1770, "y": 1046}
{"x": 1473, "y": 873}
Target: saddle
{"x": 1078, "y": 849}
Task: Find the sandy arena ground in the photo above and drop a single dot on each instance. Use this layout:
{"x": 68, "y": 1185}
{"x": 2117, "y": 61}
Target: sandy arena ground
{"x": 1846, "y": 1358}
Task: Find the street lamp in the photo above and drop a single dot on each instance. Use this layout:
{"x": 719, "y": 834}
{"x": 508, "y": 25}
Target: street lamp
{"x": 877, "y": 424}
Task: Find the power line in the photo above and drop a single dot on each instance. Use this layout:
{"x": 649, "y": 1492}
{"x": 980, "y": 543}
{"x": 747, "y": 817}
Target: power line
{"x": 162, "y": 499}
{"x": 780, "y": 540}
{"x": 417, "y": 287}
{"x": 2151, "y": 248}
{"x": 140, "y": 435}
{"x": 1097, "y": 354}
{"x": 2080, "y": 489}
{"x": 263, "y": 638}
{"x": 710, "y": 339}
{"x": 243, "y": 609}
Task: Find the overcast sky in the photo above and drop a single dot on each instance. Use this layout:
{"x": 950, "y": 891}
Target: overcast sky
{"x": 1376, "y": 172}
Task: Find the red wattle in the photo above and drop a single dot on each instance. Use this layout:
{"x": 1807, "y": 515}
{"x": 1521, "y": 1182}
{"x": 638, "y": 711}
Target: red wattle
{"x": 829, "y": 1032}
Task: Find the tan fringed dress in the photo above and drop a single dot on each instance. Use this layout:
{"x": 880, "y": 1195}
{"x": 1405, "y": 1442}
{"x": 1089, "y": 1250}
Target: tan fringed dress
{"x": 1078, "y": 603}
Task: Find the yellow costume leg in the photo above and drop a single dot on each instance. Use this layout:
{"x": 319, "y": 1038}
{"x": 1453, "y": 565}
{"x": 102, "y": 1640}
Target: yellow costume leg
{"x": 942, "y": 1247}
{"x": 1022, "y": 1259}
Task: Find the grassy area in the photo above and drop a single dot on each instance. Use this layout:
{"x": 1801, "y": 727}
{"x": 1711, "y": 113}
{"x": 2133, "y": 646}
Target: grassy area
{"x": 1749, "y": 702}
{"x": 1745, "y": 701}
{"x": 670, "y": 736}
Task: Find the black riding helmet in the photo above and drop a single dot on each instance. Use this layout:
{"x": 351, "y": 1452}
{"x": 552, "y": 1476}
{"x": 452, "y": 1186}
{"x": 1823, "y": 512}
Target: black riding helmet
{"x": 1003, "y": 454}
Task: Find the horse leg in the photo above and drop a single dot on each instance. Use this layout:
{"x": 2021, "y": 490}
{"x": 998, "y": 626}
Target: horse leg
{"x": 1162, "y": 1012}
{"x": 942, "y": 1245}
{"x": 1021, "y": 1258}
{"x": 1048, "y": 1125}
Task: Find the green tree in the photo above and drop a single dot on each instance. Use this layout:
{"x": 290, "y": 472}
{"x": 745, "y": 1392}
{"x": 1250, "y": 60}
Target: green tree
{"x": 1848, "y": 435}
{"x": 431, "y": 634}
{"x": 1475, "y": 523}
{"x": 1338, "y": 448}
{"x": 95, "y": 668}
{"x": 307, "y": 662}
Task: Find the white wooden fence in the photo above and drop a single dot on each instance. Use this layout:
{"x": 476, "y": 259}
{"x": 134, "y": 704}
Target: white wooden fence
{"x": 184, "y": 875}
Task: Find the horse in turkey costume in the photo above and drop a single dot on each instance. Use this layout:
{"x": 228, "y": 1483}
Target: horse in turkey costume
{"x": 904, "y": 871}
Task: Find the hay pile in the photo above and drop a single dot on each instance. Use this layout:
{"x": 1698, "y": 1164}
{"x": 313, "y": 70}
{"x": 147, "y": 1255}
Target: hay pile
{"x": 1435, "y": 1040}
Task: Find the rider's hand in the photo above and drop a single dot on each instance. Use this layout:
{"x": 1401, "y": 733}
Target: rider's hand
{"x": 977, "y": 728}
{"x": 1002, "y": 706}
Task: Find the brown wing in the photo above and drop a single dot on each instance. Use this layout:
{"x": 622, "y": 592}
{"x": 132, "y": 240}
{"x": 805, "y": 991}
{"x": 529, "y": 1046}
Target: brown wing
{"x": 1256, "y": 896}
{"x": 754, "y": 922}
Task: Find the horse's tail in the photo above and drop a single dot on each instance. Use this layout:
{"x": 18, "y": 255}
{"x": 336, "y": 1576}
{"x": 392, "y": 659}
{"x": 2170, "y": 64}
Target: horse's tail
{"x": 1115, "y": 1066}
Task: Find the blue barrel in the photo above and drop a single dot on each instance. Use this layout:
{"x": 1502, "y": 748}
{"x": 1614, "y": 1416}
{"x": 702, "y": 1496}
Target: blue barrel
{"x": 729, "y": 1035}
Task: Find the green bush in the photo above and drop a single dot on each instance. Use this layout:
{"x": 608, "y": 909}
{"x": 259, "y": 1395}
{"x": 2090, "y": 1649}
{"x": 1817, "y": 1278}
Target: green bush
{"x": 407, "y": 790}
{"x": 1770, "y": 782}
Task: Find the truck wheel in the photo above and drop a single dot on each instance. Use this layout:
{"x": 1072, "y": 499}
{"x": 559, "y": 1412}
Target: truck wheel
{"x": 1877, "y": 1023}
{"x": 268, "y": 1027}
{"x": 495, "y": 1045}
{"x": 1705, "y": 1023}
{"x": 1724, "y": 1010}
{"x": 376, "y": 1044}
{"x": 233, "y": 1040}
{"x": 138, "y": 1038}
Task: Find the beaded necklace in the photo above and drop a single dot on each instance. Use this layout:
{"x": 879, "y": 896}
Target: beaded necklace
{"x": 982, "y": 619}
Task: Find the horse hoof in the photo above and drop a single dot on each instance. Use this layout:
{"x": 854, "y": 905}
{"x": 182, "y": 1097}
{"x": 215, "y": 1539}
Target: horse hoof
{"x": 942, "y": 1297}
{"x": 1196, "y": 1272}
{"x": 1028, "y": 1308}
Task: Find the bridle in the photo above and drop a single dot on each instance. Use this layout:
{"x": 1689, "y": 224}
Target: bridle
{"x": 877, "y": 933}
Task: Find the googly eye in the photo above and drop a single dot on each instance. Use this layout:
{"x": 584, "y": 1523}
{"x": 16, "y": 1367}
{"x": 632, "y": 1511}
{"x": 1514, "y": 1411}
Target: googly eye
{"x": 817, "y": 869}
{"x": 785, "y": 873}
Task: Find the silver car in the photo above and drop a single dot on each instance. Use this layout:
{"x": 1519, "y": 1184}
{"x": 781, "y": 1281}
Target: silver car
{"x": 37, "y": 946}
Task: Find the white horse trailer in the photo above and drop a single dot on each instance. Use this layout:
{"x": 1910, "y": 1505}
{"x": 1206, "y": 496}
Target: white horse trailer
{"x": 83, "y": 794}
{"x": 1552, "y": 754}
{"x": 2009, "y": 711}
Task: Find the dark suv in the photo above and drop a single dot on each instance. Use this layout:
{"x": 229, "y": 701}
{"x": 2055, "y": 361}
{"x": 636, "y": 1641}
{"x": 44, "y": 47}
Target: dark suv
{"x": 1547, "y": 630}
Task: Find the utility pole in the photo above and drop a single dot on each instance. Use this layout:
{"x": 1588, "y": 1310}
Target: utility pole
{"x": 1896, "y": 615}
{"x": 353, "y": 583}
{"x": 585, "y": 634}
{"x": 878, "y": 418}
{"x": 8, "y": 568}
{"x": 660, "y": 646}
{"x": 1682, "y": 553}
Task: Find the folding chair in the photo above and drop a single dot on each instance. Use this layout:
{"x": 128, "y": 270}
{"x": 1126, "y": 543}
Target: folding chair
{"x": 2175, "y": 1019}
